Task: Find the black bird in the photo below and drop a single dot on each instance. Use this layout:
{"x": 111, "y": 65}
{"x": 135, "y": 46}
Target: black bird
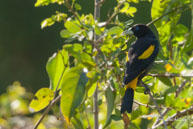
{"x": 140, "y": 58}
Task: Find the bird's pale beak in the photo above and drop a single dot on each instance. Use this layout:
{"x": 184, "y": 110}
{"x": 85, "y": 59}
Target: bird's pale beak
{"x": 127, "y": 32}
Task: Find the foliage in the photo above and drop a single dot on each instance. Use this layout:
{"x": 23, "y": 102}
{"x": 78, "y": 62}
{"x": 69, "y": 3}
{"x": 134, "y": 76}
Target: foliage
{"x": 83, "y": 64}
{"x": 14, "y": 111}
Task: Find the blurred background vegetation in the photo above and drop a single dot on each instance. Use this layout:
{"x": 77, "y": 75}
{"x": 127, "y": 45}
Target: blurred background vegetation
{"x": 25, "y": 47}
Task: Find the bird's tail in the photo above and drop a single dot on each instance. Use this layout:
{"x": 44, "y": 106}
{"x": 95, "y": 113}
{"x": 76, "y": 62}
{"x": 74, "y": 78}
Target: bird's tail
{"x": 127, "y": 102}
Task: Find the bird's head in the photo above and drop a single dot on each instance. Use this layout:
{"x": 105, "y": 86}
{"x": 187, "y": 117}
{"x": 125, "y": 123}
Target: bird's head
{"x": 139, "y": 30}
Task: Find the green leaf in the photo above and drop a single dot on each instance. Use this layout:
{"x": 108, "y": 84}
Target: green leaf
{"x": 179, "y": 33}
{"x": 80, "y": 91}
{"x": 189, "y": 43}
{"x": 97, "y": 30}
{"x": 116, "y": 117}
{"x": 131, "y": 11}
{"x": 170, "y": 90}
{"x": 125, "y": 8}
{"x": 92, "y": 89}
{"x": 65, "y": 34}
{"x": 77, "y": 6}
{"x": 115, "y": 30}
{"x": 72, "y": 27}
{"x": 77, "y": 122}
{"x": 56, "y": 66}
{"x": 140, "y": 89}
{"x": 158, "y": 8}
{"x": 141, "y": 97}
{"x": 73, "y": 91}
{"x": 54, "y": 18}
{"x": 166, "y": 81}
{"x": 128, "y": 10}
{"x": 47, "y": 22}
{"x": 47, "y": 2}
{"x": 110, "y": 97}
{"x": 41, "y": 99}
{"x": 83, "y": 58}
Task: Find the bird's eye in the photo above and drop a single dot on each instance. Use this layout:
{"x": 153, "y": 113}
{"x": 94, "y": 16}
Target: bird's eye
{"x": 137, "y": 28}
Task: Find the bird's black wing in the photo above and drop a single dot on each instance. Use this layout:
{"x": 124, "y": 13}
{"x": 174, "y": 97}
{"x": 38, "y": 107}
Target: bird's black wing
{"x": 135, "y": 66}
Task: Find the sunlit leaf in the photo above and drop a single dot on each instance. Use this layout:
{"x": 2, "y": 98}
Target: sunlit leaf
{"x": 141, "y": 97}
{"x": 54, "y": 18}
{"x": 76, "y": 50}
{"x": 135, "y": 1}
{"x": 71, "y": 26}
{"x": 65, "y": 33}
{"x": 73, "y": 91}
{"x": 131, "y": 11}
{"x": 115, "y": 30}
{"x": 97, "y": 30}
{"x": 41, "y": 99}
{"x": 47, "y": 2}
{"x": 56, "y": 66}
{"x": 77, "y": 6}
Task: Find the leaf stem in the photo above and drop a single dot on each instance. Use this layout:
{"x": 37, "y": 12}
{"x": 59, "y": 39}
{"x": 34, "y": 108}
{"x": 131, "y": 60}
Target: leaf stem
{"x": 52, "y": 103}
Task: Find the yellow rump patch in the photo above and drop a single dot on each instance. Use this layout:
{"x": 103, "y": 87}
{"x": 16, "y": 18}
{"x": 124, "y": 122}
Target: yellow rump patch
{"x": 147, "y": 53}
{"x": 132, "y": 84}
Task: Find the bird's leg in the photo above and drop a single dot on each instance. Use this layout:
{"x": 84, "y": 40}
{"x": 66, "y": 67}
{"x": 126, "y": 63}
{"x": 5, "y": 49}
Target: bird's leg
{"x": 147, "y": 90}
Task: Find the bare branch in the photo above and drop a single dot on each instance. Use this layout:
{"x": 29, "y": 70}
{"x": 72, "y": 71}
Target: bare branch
{"x": 157, "y": 107}
{"x": 170, "y": 75}
{"x": 176, "y": 116}
{"x": 146, "y": 105}
{"x": 174, "y": 10}
{"x": 180, "y": 88}
{"x": 95, "y": 99}
{"x": 166, "y": 110}
{"x": 159, "y": 118}
{"x": 114, "y": 14}
{"x": 101, "y": 2}
{"x": 52, "y": 103}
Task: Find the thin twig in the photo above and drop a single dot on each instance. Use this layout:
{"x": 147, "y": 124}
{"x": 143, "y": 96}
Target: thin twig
{"x": 114, "y": 14}
{"x": 170, "y": 75}
{"x": 55, "y": 99}
{"x": 167, "y": 109}
{"x": 73, "y": 12}
{"x": 146, "y": 105}
{"x": 162, "y": 115}
{"x": 176, "y": 116}
{"x": 180, "y": 88}
{"x": 174, "y": 10}
{"x": 53, "y": 102}
{"x": 157, "y": 107}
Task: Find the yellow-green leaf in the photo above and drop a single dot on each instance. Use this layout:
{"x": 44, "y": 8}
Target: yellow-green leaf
{"x": 73, "y": 91}
{"x": 72, "y": 27}
{"x": 41, "y": 99}
{"x": 56, "y": 66}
